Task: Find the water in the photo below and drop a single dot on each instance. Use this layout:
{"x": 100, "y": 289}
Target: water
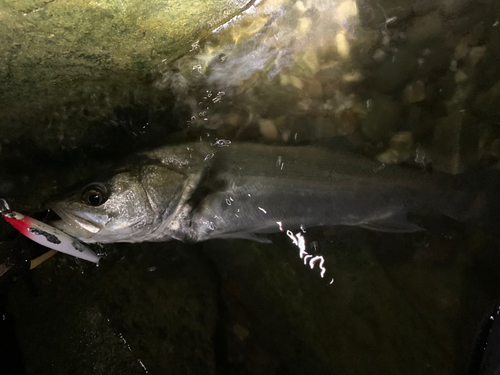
{"x": 399, "y": 82}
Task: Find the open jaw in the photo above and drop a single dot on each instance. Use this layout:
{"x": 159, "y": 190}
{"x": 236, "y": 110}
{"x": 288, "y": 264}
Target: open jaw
{"x": 77, "y": 224}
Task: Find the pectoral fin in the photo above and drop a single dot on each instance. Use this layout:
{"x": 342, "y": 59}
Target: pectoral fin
{"x": 244, "y": 236}
{"x": 383, "y": 227}
{"x": 395, "y": 223}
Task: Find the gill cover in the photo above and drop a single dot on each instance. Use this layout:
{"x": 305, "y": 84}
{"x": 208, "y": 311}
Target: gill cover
{"x": 125, "y": 208}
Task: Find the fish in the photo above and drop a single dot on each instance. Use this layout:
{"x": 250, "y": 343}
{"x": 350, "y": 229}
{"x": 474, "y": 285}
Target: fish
{"x": 199, "y": 191}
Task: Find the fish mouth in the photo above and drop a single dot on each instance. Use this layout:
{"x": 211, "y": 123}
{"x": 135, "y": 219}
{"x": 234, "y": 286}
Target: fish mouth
{"x": 77, "y": 224}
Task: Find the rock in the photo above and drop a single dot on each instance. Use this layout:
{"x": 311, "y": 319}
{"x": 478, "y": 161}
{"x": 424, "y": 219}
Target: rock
{"x": 348, "y": 122}
{"x": 421, "y": 122}
{"x": 363, "y": 43}
{"x": 296, "y": 82}
{"x": 309, "y": 61}
{"x": 248, "y": 28}
{"x": 361, "y": 302}
{"x": 476, "y": 54}
{"x": 345, "y": 10}
{"x": 421, "y": 7}
{"x": 78, "y": 54}
{"x": 460, "y": 76}
{"x": 415, "y": 92}
{"x": 376, "y": 13}
{"x": 462, "y": 48}
{"x": 455, "y": 143}
{"x": 388, "y": 157}
{"x": 313, "y": 88}
{"x": 381, "y": 119}
{"x": 425, "y": 28}
{"x": 342, "y": 45}
{"x": 434, "y": 59}
{"x": 303, "y": 25}
{"x": 379, "y": 55}
{"x": 300, "y": 6}
{"x": 400, "y": 149}
{"x": 354, "y": 76}
{"x": 268, "y": 129}
{"x": 155, "y": 316}
{"x": 486, "y": 103}
{"x": 395, "y": 70}
{"x": 453, "y": 7}
{"x": 238, "y": 119}
{"x": 402, "y": 141}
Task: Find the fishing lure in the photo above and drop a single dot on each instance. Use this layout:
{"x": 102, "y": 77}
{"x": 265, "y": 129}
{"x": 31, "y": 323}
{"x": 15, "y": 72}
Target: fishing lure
{"x": 46, "y": 235}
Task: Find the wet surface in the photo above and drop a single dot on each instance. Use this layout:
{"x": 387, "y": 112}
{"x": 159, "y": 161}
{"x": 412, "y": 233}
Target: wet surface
{"x": 412, "y": 82}
{"x": 398, "y": 303}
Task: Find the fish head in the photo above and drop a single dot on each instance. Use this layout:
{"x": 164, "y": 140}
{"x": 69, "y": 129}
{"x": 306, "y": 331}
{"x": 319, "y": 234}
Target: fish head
{"x": 124, "y": 208}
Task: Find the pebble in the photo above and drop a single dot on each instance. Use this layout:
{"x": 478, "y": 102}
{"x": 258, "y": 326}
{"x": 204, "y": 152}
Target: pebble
{"x": 352, "y": 77}
{"x": 346, "y": 10}
{"x": 395, "y": 70}
{"x": 476, "y": 54}
{"x": 268, "y": 129}
{"x": 420, "y": 7}
{"x": 486, "y": 103}
{"x": 313, "y": 88}
{"x": 401, "y": 141}
{"x": 303, "y": 25}
{"x": 379, "y": 55}
{"x": 342, "y": 45}
{"x": 381, "y": 119}
{"x": 455, "y": 143}
{"x": 325, "y": 128}
{"x": 415, "y": 92}
{"x": 310, "y": 60}
{"x": 452, "y": 7}
{"x": 284, "y": 79}
{"x": 237, "y": 118}
{"x": 388, "y": 157}
{"x": 299, "y": 5}
{"x": 377, "y": 13}
{"x": 425, "y": 28}
{"x": 462, "y": 48}
{"x": 400, "y": 148}
{"x": 460, "y": 76}
{"x": 296, "y": 82}
{"x": 348, "y": 122}
{"x": 433, "y": 60}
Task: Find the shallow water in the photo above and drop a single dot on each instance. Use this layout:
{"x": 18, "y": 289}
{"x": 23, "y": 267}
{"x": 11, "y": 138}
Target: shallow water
{"x": 411, "y": 82}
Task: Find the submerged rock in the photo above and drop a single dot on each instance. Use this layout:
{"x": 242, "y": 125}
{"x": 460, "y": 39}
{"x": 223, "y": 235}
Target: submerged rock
{"x": 156, "y": 314}
{"x": 425, "y": 28}
{"x": 400, "y": 148}
{"x": 381, "y": 119}
{"x": 375, "y": 13}
{"x": 396, "y": 70}
{"x": 455, "y": 143}
{"x": 85, "y": 57}
{"x": 415, "y": 92}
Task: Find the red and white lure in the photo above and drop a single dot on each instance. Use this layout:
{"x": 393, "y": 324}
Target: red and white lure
{"x": 46, "y": 235}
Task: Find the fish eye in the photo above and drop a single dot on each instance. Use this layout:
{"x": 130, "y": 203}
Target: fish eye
{"x": 95, "y": 194}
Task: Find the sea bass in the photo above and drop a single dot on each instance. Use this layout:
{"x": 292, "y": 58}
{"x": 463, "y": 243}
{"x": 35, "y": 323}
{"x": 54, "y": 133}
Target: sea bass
{"x": 195, "y": 192}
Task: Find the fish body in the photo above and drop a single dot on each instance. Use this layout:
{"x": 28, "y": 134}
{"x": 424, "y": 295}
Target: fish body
{"x": 195, "y": 192}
